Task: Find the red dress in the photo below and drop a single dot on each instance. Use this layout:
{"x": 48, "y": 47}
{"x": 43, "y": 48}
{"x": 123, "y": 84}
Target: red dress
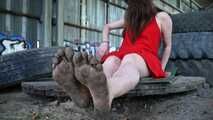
{"x": 146, "y": 45}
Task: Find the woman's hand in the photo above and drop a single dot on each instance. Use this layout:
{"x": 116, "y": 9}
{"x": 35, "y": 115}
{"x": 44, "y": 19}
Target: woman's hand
{"x": 103, "y": 49}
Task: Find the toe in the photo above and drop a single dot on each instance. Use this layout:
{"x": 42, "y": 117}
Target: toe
{"x": 85, "y": 57}
{"x": 93, "y": 61}
{"x": 89, "y": 58}
{"x": 60, "y": 53}
{"x": 58, "y": 57}
{"x": 77, "y": 58}
{"x": 69, "y": 53}
{"x": 99, "y": 67}
{"x": 55, "y": 62}
{"x": 80, "y": 59}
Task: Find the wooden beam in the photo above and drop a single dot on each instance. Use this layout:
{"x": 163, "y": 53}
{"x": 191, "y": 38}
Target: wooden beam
{"x": 89, "y": 29}
{"x": 60, "y": 22}
{"x": 47, "y": 24}
{"x": 8, "y": 17}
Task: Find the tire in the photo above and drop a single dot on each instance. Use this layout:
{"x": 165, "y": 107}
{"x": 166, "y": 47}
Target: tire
{"x": 192, "y": 67}
{"x": 192, "y": 45}
{"x": 25, "y": 65}
{"x": 1, "y": 48}
{"x": 200, "y": 21}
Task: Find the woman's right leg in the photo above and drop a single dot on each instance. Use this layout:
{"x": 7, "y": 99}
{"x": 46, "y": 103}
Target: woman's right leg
{"x": 110, "y": 66}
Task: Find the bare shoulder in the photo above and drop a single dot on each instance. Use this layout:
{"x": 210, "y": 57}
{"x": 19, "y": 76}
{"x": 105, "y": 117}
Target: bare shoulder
{"x": 163, "y": 16}
{"x": 164, "y": 19}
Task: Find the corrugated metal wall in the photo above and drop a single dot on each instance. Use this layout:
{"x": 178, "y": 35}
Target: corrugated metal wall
{"x": 72, "y": 16}
{"x": 84, "y": 20}
{"x": 21, "y": 17}
{"x": 177, "y": 6}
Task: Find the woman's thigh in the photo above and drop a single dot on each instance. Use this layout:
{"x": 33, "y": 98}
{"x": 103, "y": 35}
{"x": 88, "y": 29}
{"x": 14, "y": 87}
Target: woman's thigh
{"x": 138, "y": 62}
{"x": 111, "y": 65}
{"x": 128, "y": 75}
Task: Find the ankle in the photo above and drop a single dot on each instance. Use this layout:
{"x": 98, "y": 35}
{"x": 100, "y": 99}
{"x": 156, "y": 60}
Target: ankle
{"x": 110, "y": 100}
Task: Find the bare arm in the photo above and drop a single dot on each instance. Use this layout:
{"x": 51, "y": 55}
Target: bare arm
{"x": 104, "y": 47}
{"x": 113, "y": 25}
{"x": 166, "y": 28}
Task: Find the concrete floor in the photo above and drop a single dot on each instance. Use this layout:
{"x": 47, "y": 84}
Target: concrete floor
{"x": 196, "y": 105}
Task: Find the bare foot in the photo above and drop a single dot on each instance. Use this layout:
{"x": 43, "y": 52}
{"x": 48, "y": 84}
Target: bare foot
{"x": 79, "y": 60}
{"x": 94, "y": 78}
{"x": 63, "y": 74}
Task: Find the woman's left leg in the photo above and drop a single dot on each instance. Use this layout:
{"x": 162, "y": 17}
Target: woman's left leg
{"x": 127, "y": 76}
{"x": 110, "y": 66}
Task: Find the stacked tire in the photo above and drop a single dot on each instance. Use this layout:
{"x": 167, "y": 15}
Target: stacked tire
{"x": 25, "y": 66}
{"x": 192, "y": 49}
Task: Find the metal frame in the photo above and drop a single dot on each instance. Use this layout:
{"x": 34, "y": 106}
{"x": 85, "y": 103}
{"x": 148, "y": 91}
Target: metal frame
{"x": 172, "y": 6}
{"x": 93, "y": 29}
{"x": 190, "y": 4}
{"x": 3, "y": 11}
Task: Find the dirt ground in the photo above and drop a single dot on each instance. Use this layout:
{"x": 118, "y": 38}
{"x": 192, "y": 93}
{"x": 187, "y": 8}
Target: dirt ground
{"x": 196, "y": 105}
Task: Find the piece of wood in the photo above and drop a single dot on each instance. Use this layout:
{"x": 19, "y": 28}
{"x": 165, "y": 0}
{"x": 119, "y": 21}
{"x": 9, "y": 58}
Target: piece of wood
{"x": 179, "y": 84}
{"x": 47, "y": 23}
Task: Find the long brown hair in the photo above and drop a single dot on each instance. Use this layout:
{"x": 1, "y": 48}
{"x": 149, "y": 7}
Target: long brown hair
{"x": 137, "y": 16}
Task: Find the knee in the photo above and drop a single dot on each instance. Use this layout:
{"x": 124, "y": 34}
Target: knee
{"x": 129, "y": 59}
{"x": 112, "y": 61}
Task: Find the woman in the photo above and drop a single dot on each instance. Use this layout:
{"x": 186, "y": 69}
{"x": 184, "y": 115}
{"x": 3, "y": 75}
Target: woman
{"x": 122, "y": 69}
{"x": 138, "y": 54}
